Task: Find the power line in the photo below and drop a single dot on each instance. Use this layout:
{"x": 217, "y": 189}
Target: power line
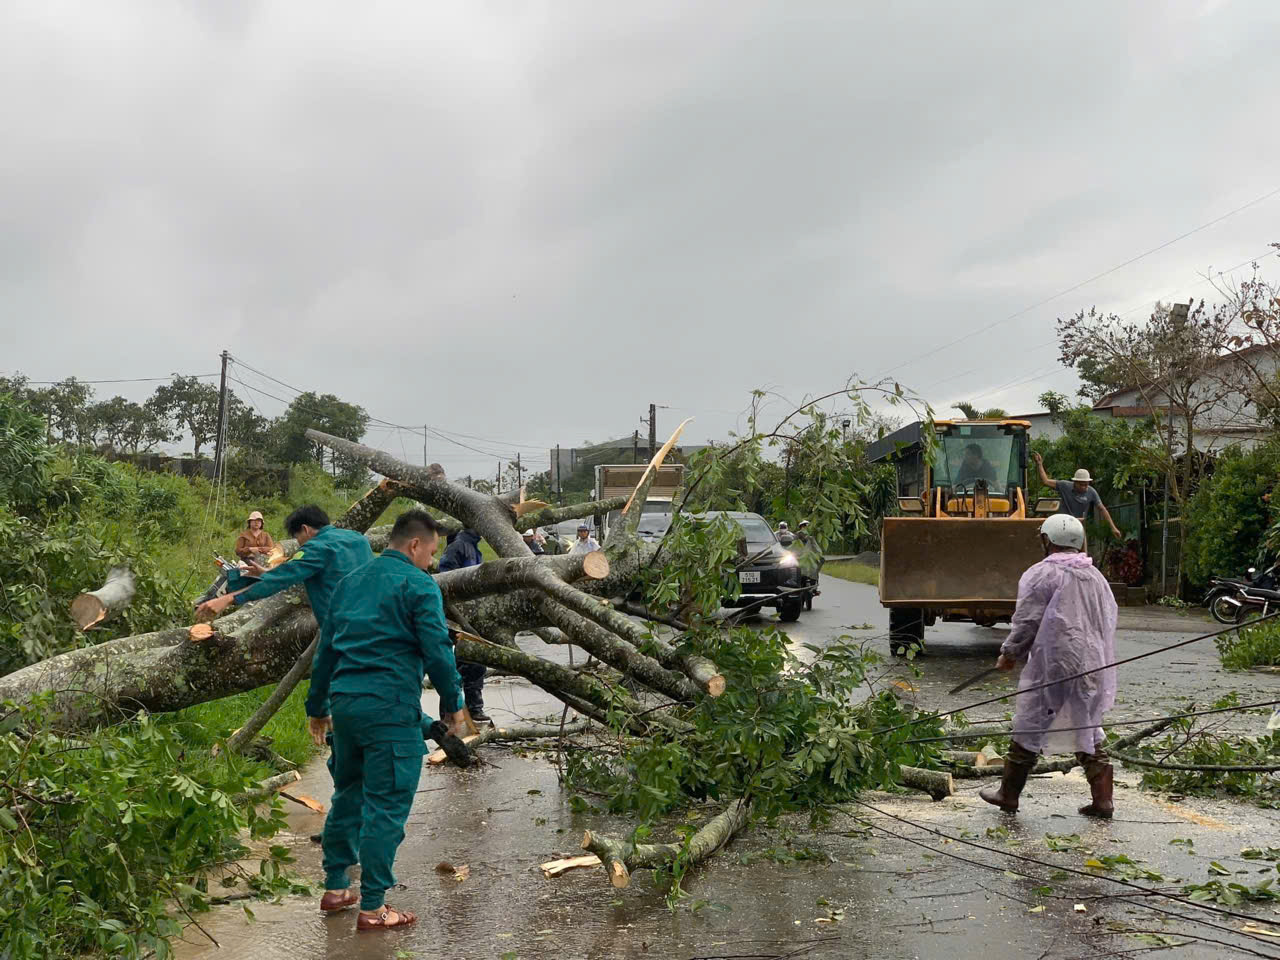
{"x": 193, "y": 376}
{"x": 1131, "y": 310}
{"x": 1083, "y": 673}
{"x": 439, "y": 433}
{"x": 1115, "y": 723}
{"x": 1083, "y": 283}
{"x": 1186, "y": 901}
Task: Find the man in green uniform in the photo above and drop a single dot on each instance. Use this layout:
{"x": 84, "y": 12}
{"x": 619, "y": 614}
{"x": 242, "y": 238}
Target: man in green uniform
{"x": 385, "y": 630}
{"x": 325, "y": 555}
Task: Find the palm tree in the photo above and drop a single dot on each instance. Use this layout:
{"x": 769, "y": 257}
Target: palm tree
{"x": 971, "y": 412}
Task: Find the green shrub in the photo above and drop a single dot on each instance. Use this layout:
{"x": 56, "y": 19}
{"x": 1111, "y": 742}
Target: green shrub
{"x": 1250, "y": 647}
{"x": 101, "y": 837}
{"x": 1226, "y": 517}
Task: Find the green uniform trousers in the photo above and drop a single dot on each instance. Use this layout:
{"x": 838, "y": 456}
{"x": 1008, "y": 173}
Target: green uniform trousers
{"x": 377, "y": 760}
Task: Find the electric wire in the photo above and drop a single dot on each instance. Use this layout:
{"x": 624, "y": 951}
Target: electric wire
{"x": 1147, "y": 891}
{"x": 1083, "y": 673}
{"x": 1083, "y": 283}
{"x": 1115, "y": 723}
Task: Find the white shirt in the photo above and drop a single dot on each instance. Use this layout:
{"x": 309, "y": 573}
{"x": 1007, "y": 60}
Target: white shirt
{"x": 588, "y": 545}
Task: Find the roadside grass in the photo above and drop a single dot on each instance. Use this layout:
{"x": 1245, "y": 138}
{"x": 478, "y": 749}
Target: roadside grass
{"x": 1250, "y": 647}
{"x": 204, "y": 724}
{"x": 856, "y": 572}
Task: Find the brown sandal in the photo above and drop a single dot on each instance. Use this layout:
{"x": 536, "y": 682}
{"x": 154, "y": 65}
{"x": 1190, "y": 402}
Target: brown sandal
{"x": 335, "y": 900}
{"x": 378, "y": 921}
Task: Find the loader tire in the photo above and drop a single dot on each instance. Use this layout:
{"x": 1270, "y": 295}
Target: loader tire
{"x": 906, "y": 631}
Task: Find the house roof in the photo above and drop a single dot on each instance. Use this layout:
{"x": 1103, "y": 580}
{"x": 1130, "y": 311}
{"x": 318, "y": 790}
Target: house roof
{"x": 1110, "y": 399}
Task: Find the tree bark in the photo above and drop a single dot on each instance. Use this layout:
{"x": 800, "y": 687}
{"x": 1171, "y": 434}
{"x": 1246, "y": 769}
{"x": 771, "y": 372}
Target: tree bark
{"x": 620, "y": 857}
{"x": 90, "y": 609}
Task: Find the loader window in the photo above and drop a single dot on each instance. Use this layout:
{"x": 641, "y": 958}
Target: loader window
{"x": 979, "y": 452}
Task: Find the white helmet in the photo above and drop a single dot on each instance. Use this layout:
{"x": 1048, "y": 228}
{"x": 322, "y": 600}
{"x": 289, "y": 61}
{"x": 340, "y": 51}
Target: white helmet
{"x": 783, "y": 525}
{"x": 1064, "y": 531}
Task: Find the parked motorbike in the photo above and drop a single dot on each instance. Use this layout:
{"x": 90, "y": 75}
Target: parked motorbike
{"x": 1235, "y": 600}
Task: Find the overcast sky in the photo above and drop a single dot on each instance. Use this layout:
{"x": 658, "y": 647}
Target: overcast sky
{"x": 524, "y": 222}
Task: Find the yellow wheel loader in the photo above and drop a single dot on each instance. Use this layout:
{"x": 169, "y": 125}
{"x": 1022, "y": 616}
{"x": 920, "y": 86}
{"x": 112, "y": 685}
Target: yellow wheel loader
{"x": 965, "y": 534}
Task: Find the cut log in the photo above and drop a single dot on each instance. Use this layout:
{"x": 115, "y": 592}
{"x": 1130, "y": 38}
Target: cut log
{"x": 937, "y": 783}
{"x": 200, "y": 632}
{"x": 553, "y": 868}
{"x": 92, "y": 608}
{"x": 986, "y": 757}
{"x": 620, "y": 857}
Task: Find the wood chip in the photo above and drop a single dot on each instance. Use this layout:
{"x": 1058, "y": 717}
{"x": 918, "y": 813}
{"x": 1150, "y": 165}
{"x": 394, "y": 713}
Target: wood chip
{"x": 553, "y": 868}
{"x": 200, "y": 632}
{"x": 302, "y": 798}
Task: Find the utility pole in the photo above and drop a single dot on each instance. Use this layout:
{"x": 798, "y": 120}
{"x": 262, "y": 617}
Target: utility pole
{"x": 220, "y": 435}
{"x": 635, "y": 446}
{"x": 424, "y": 444}
{"x": 499, "y": 476}
{"x": 653, "y": 430}
{"x": 559, "y": 487}
{"x": 519, "y": 473}
{"x": 1177, "y": 313}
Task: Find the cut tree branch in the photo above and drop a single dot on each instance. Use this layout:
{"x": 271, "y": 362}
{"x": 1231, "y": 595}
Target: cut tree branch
{"x": 620, "y": 857}
{"x": 90, "y": 609}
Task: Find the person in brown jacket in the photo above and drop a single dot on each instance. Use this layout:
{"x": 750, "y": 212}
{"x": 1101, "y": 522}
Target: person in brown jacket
{"x": 254, "y": 539}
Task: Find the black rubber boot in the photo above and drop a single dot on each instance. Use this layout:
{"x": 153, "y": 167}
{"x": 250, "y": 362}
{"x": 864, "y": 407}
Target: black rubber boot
{"x": 1006, "y": 795}
{"x": 1101, "y": 778}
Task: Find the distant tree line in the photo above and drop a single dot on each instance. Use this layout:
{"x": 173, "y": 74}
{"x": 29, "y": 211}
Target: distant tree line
{"x": 185, "y": 410}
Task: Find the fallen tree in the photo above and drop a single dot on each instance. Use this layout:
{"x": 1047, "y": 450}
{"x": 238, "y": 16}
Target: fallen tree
{"x": 707, "y": 711}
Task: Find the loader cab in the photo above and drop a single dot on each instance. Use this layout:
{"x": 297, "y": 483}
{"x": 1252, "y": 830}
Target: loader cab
{"x": 977, "y": 468}
{"x": 964, "y": 535}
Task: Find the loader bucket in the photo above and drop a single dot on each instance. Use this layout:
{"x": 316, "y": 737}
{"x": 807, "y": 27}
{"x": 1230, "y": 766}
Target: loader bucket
{"x": 956, "y": 561}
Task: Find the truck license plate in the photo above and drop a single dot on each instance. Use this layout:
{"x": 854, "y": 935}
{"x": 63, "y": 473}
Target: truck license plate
{"x": 749, "y": 576}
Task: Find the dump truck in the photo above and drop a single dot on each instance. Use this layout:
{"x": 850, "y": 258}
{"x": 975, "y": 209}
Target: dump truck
{"x": 965, "y": 532}
{"x": 619, "y": 480}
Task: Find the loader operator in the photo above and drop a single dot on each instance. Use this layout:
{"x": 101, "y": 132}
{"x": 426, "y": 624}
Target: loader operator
{"x": 975, "y": 467}
{"x": 1076, "y": 497}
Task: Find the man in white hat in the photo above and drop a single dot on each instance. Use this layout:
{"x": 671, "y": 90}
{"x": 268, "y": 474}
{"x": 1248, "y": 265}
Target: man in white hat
{"x": 1064, "y": 626}
{"x": 1077, "y": 497}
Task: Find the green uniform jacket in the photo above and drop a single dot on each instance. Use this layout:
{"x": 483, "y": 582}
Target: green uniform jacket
{"x": 385, "y": 631}
{"x": 328, "y": 557}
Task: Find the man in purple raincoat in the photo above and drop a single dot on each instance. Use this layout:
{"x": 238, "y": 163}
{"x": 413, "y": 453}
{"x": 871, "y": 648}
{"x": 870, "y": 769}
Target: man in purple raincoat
{"x": 1064, "y": 624}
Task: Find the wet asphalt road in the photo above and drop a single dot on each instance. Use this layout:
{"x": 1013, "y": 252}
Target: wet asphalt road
{"x": 902, "y": 890}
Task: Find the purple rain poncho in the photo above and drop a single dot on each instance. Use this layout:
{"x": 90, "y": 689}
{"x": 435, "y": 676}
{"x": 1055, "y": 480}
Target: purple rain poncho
{"x": 1065, "y": 623}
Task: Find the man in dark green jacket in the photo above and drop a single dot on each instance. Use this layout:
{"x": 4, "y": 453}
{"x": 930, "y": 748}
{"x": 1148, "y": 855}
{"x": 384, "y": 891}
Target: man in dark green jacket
{"x": 325, "y": 555}
{"x": 385, "y": 630}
